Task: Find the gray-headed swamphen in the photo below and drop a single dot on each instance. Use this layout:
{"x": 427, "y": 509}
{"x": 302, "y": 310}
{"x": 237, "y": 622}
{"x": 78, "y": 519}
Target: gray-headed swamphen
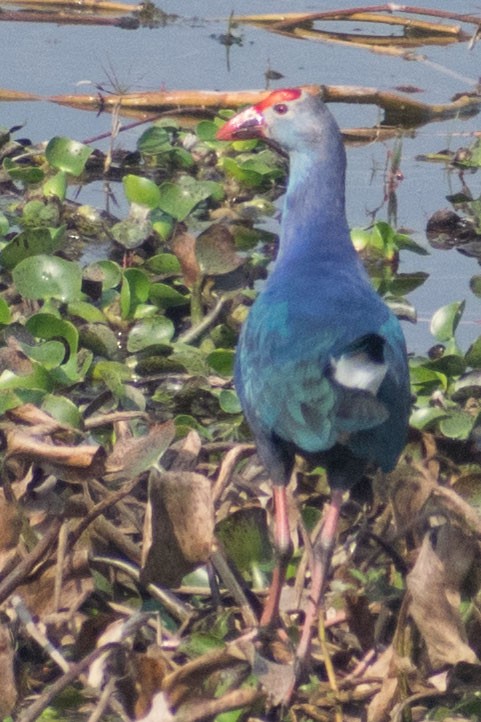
{"x": 321, "y": 366}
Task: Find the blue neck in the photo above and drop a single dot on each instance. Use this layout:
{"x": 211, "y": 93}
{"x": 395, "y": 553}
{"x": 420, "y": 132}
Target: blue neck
{"x": 314, "y": 226}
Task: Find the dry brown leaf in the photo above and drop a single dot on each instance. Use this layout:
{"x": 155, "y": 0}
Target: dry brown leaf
{"x": 132, "y": 456}
{"x": 150, "y": 670}
{"x": 179, "y": 526}
{"x": 31, "y": 446}
{"x": 8, "y": 690}
{"x": 389, "y": 667}
{"x": 183, "y": 246}
{"x": 77, "y": 583}
{"x": 183, "y": 454}
{"x": 435, "y": 583}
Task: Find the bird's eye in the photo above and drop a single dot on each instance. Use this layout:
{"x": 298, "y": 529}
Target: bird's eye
{"x": 281, "y": 108}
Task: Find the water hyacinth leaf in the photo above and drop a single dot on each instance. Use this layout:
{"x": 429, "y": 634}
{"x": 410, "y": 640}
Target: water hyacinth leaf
{"x": 423, "y": 376}
{"x": 425, "y": 417}
{"x": 142, "y": 191}
{"x": 5, "y": 316}
{"x": 40, "y": 214}
{"x": 21, "y": 173}
{"x": 446, "y": 319}
{"x": 39, "y": 382}
{"x": 179, "y": 199}
{"x": 449, "y": 364}
{"x": 108, "y": 273}
{"x": 475, "y": 285}
{"x": 50, "y": 354}
{"x": 150, "y": 332}
{"x": 67, "y": 155}
{"x": 134, "y": 291}
{"x": 404, "y": 283}
{"x": 32, "y": 242}
{"x": 42, "y": 277}
{"x": 215, "y": 251}
{"x": 47, "y": 326}
{"x": 206, "y": 130}
{"x": 165, "y": 296}
{"x": 56, "y": 186}
{"x": 229, "y": 402}
{"x": 247, "y": 176}
{"x": 165, "y": 264}
{"x": 245, "y": 536}
{"x": 154, "y": 140}
{"x": 86, "y": 311}
{"x": 113, "y": 374}
{"x": 473, "y": 354}
{"x": 100, "y": 339}
{"x": 134, "y": 230}
{"x": 406, "y": 243}
{"x": 63, "y": 410}
{"x": 222, "y": 361}
{"x": 458, "y": 425}
{"x": 4, "y": 224}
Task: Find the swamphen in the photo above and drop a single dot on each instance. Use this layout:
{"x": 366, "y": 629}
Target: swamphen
{"x": 321, "y": 367}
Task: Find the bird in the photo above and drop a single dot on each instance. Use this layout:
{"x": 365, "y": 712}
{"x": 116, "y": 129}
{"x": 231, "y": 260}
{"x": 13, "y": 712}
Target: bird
{"x": 321, "y": 365}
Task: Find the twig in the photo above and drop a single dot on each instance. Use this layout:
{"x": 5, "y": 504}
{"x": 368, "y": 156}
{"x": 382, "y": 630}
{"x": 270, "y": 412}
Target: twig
{"x": 35, "y": 710}
{"x": 23, "y": 569}
{"x": 167, "y": 599}
{"x": 35, "y": 632}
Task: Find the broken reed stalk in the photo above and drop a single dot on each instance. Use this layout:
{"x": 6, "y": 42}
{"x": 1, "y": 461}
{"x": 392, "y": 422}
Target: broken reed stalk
{"x": 97, "y": 5}
{"x": 347, "y": 13}
{"x": 400, "y": 109}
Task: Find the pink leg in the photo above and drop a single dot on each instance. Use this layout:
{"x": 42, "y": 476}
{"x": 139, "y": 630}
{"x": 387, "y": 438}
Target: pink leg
{"x": 283, "y": 548}
{"x": 322, "y": 553}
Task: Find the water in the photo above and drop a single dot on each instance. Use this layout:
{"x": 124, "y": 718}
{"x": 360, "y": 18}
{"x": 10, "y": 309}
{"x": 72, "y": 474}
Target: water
{"x": 49, "y": 59}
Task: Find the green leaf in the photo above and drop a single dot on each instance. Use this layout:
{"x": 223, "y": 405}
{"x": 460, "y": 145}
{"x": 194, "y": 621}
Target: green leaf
{"x": 4, "y": 224}
{"x": 135, "y": 229}
{"x": 458, "y": 425}
{"x": 86, "y": 311}
{"x": 141, "y": 190}
{"x": 100, "y": 339}
{"x": 222, "y": 361}
{"x": 56, "y": 186}
{"x": 165, "y": 296}
{"x": 41, "y": 277}
{"x": 154, "y": 140}
{"x": 179, "y": 199}
{"x": 229, "y": 402}
{"x": 473, "y": 354}
{"x": 446, "y": 319}
{"x": 206, "y": 130}
{"x": 135, "y": 290}
{"x": 63, "y": 410}
{"x": 165, "y": 264}
{"x": 245, "y": 536}
{"x": 108, "y": 273}
{"x": 475, "y": 285}
{"x": 25, "y": 174}
{"x": 47, "y": 326}
{"x": 150, "y": 332}
{"x": 67, "y": 155}
{"x": 50, "y": 354}
{"x": 32, "y": 242}
{"x": 5, "y": 316}
{"x": 215, "y": 251}
{"x": 426, "y": 417}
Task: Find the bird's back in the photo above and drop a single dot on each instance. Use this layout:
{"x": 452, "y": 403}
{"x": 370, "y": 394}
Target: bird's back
{"x": 321, "y": 363}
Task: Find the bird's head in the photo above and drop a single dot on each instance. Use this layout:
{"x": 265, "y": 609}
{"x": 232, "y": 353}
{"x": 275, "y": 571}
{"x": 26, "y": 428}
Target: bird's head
{"x": 292, "y": 117}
